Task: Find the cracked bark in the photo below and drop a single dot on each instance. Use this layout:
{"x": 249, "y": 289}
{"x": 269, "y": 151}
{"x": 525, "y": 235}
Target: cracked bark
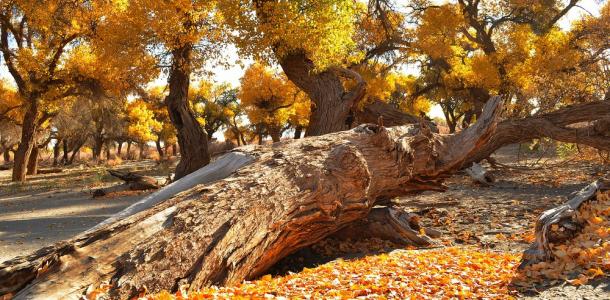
{"x": 283, "y": 197}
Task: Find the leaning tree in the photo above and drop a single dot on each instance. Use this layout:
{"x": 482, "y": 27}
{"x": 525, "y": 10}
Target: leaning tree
{"x": 235, "y": 218}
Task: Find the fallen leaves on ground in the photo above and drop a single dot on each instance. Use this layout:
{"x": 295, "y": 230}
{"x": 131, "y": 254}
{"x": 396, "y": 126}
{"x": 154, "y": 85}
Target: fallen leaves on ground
{"x": 401, "y": 274}
{"x": 584, "y": 257}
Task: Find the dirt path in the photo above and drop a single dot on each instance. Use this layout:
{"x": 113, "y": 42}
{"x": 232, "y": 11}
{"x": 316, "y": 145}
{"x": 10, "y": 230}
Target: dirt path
{"x": 53, "y": 207}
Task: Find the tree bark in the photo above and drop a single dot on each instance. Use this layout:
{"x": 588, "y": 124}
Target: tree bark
{"x": 191, "y": 137}
{"x": 128, "y": 149}
{"x": 563, "y": 217}
{"x": 159, "y": 148}
{"x": 388, "y": 114}
{"x": 7, "y": 155}
{"x": 119, "y": 148}
{"x": 279, "y": 200}
{"x": 28, "y": 133}
{"x": 142, "y": 154}
{"x": 107, "y": 146}
{"x": 33, "y": 161}
{"x": 332, "y": 103}
{"x": 275, "y": 133}
{"x": 75, "y": 152}
{"x": 66, "y": 151}
{"x": 557, "y": 125}
{"x": 98, "y": 142}
{"x": 56, "y": 150}
{"x": 298, "y": 131}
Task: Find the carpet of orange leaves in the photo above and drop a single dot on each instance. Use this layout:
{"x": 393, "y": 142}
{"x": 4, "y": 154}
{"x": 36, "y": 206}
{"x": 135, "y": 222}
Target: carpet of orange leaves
{"x": 401, "y": 274}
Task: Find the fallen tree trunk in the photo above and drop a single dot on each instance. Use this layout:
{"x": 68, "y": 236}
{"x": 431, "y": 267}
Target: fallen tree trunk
{"x": 136, "y": 181}
{"x": 284, "y": 197}
{"x": 50, "y": 171}
{"x": 132, "y": 182}
{"x": 557, "y": 125}
{"x": 594, "y": 118}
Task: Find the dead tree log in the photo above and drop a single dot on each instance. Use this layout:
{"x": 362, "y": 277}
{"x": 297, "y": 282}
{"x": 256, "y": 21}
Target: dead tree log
{"x": 479, "y": 174}
{"x": 283, "y": 197}
{"x": 136, "y": 181}
{"x": 559, "y": 125}
{"x": 562, "y": 216}
{"x": 132, "y": 181}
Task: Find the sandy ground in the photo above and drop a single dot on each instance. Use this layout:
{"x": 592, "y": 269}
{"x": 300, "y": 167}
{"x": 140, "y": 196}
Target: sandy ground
{"x": 54, "y": 207}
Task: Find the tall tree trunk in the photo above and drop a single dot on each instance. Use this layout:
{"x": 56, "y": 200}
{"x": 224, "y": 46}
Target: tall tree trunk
{"x": 66, "y": 150}
{"x": 275, "y": 133}
{"x": 129, "y": 149}
{"x": 28, "y": 134}
{"x": 75, "y": 152}
{"x": 191, "y": 137}
{"x": 108, "y": 145}
{"x": 297, "y": 194}
{"x": 142, "y": 154}
{"x": 326, "y": 90}
{"x": 33, "y": 161}
{"x": 174, "y": 149}
{"x": 119, "y": 148}
{"x": 298, "y": 131}
{"x": 56, "y": 151}
{"x": 7, "y": 155}
{"x": 159, "y": 148}
{"x": 98, "y": 142}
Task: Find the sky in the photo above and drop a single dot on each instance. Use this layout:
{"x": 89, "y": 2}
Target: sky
{"x": 235, "y": 72}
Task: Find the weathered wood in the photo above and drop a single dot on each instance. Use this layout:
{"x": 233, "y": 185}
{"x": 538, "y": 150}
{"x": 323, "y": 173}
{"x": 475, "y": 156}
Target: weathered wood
{"x": 391, "y": 224}
{"x": 562, "y": 215}
{"x": 391, "y": 115}
{"x": 50, "y": 170}
{"x": 479, "y": 174}
{"x": 592, "y": 128}
{"x": 293, "y": 194}
{"x": 558, "y": 125}
{"x": 217, "y": 170}
{"x": 136, "y": 181}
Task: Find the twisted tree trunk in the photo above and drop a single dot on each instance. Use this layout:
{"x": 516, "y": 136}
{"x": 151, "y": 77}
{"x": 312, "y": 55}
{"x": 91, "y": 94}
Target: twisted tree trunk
{"x": 192, "y": 138}
{"x": 281, "y": 198}
{"x": 332, "y": 103}
{"x": 28, "y": 134}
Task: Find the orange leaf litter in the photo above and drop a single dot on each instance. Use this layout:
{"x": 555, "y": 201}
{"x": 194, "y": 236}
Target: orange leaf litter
{"x": 401, "y": 274}
{"x": 448, "y": 273}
